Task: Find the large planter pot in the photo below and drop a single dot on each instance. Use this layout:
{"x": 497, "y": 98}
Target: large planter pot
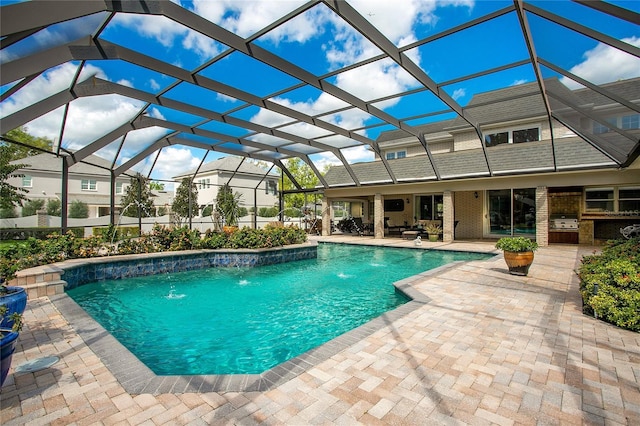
{"x": 7, "y": 347}
{"x": 433, "y": 237}
{"x": 15, "y": 299}
{"x": 518, "y": 262}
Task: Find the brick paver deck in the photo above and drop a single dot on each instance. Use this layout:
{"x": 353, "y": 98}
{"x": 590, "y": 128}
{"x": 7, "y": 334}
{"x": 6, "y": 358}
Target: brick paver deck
{"x": 485, "y": 347}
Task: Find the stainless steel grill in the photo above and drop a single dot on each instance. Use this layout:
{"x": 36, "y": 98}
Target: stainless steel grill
{"x": 563, "y": 222}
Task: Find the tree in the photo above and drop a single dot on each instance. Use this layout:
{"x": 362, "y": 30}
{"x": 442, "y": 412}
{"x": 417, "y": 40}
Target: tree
{"x": 10, "y": 196}
{"x": 180, "y": 205}
{"x": 304, "y": 175}
{"x": 136, "y": 200}
{"x": 228, "y": 204}
{"x": 19, "y": 151}
{"x": 156, "y": 186}
{"x": 78, "y": 210}
{"x": 54, "y": 207}
{"x": 31, "y": 207}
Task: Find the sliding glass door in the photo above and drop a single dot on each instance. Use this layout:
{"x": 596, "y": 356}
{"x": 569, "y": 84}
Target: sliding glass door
{"x": 511, "y": 212}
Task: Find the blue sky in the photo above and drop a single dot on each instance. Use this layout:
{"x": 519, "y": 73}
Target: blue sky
{"x": 319, "y": 42}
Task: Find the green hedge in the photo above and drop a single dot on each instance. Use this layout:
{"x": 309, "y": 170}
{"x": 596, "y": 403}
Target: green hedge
{"x": 610, "y": 283}
{"x": 56, "y": 248}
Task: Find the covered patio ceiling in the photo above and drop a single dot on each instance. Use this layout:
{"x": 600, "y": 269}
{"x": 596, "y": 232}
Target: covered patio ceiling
{"x": 161, "y": 87}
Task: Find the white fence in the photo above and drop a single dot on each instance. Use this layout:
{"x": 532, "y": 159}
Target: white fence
{"x": 200, "y": 223}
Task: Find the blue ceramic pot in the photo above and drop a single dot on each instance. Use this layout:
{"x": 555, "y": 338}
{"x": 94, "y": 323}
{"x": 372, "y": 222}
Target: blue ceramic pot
{"x": 15, "y": 299}
{"x": 7, "y": 347}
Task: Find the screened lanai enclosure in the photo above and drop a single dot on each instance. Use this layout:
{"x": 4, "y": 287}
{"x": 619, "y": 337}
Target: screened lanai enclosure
{"x": 229, "y": 93}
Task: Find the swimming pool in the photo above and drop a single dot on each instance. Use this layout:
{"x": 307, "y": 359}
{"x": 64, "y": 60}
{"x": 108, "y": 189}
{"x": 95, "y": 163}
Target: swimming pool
{"x": 247, "y": 320}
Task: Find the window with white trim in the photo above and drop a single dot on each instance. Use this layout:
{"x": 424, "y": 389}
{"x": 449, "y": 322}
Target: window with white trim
{"x": 203, "y": 183}
{"x": 89, "y": 185}
{"x": 392, "y": 155}
{"x": 621, "y": 200}
{"x": 119, "y": 188}
{"x": 531, "y": 134}
{"x": 27, "y": 181}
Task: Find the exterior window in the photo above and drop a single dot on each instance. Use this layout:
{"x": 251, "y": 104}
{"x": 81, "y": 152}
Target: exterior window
{"x": 204, "y": 183}
{"x": 272, "y": 187}
{"x": 599, "y": 199}
{"x": 394, "y": 155}
{"x": 27, "y": 181}
{"x": 512, "y": 136}
{"x": 526, "y": 135}
{"x": 631, "y": 121}
{"x": 119, "y": 188}
{"x": 496, "y": 139}
{"x": 629, "y": 199}
{"x": 430, "y": 207}
{"x": 89, "y": 185}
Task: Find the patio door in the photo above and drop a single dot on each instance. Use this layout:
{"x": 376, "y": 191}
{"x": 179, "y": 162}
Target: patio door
{"x": 511, "y": 212}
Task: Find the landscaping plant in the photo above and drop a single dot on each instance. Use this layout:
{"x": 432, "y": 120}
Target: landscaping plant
{"x": 56, "y": 248}
{"x": 610, "y": 283}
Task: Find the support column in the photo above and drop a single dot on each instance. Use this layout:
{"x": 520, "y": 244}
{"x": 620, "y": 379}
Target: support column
{"x": 378, "y": 216}
{"x": 448, "y": 217}
{"x": 542, "y": 216}
{"x": 326, "y": 217}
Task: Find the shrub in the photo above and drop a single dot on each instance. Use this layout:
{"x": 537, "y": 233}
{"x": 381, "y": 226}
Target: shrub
{"x": 610, "y": 283}
{"x": 268, "y": 211}
{"x": 78, "y": 210}
{"x": 33, "y": 252}
{"x": 54, "y": 207}
{"x": 8, "y": 213}
{"x": 516, "y": 244}
{"x": 31, "y": 207}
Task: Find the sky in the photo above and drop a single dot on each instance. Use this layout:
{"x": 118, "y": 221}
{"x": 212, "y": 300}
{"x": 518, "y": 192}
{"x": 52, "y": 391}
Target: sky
{"x": 321, "y": 43}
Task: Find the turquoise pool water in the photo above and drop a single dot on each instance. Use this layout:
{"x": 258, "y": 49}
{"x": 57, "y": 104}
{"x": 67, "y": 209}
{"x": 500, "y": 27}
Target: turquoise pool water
{"x": 247, "y": 320}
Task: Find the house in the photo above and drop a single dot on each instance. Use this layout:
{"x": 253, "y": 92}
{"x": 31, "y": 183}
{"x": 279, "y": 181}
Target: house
{"x": 256, "y": 188}
{"x": 529, "y": 176}
{"x": 89, "y": 182}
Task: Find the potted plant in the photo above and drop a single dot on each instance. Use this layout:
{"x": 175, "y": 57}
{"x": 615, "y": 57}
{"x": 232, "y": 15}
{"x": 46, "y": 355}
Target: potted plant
{"x": 8, "y": 340}
{"x": 518, "y": 253}
{"x": 434, "y": 231}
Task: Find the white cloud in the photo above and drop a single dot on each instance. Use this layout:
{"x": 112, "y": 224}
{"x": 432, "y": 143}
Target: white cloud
{"x": 357, "y": 154}
{"x": 397, "y": 19}
{"x": 246, "y": 17}
{"x": 47, "y": 84}
{"x": 173, "y": 161}
{"x": 604, "y": 64}
{"x": 519, "y": 82}
{"x": 154, "y": 85}
{"x": 167, "y": 32}
{"x": 459, "y": 93}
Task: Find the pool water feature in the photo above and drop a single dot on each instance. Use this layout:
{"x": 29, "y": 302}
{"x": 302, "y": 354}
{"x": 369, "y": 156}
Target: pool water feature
{"x": 247, "y": 320}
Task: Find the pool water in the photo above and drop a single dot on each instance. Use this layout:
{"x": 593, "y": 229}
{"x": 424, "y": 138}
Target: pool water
{"x": 247, "y": 320}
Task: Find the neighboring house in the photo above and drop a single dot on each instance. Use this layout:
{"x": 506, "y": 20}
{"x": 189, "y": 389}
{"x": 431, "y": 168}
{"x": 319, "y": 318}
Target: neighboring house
{"x": 560, "y": 190}
{"x": 256, "y": 188}
{"x": 88, "y": 182}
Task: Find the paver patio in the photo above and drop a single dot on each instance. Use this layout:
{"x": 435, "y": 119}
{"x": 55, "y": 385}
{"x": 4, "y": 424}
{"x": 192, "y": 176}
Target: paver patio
{"x": 485, "y": 347}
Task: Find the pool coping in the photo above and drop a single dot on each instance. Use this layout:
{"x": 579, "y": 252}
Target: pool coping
{"x": 136, "y": 378}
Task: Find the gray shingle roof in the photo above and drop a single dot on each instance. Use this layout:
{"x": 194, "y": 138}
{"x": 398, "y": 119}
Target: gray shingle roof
{"x": 571, "y": 153}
